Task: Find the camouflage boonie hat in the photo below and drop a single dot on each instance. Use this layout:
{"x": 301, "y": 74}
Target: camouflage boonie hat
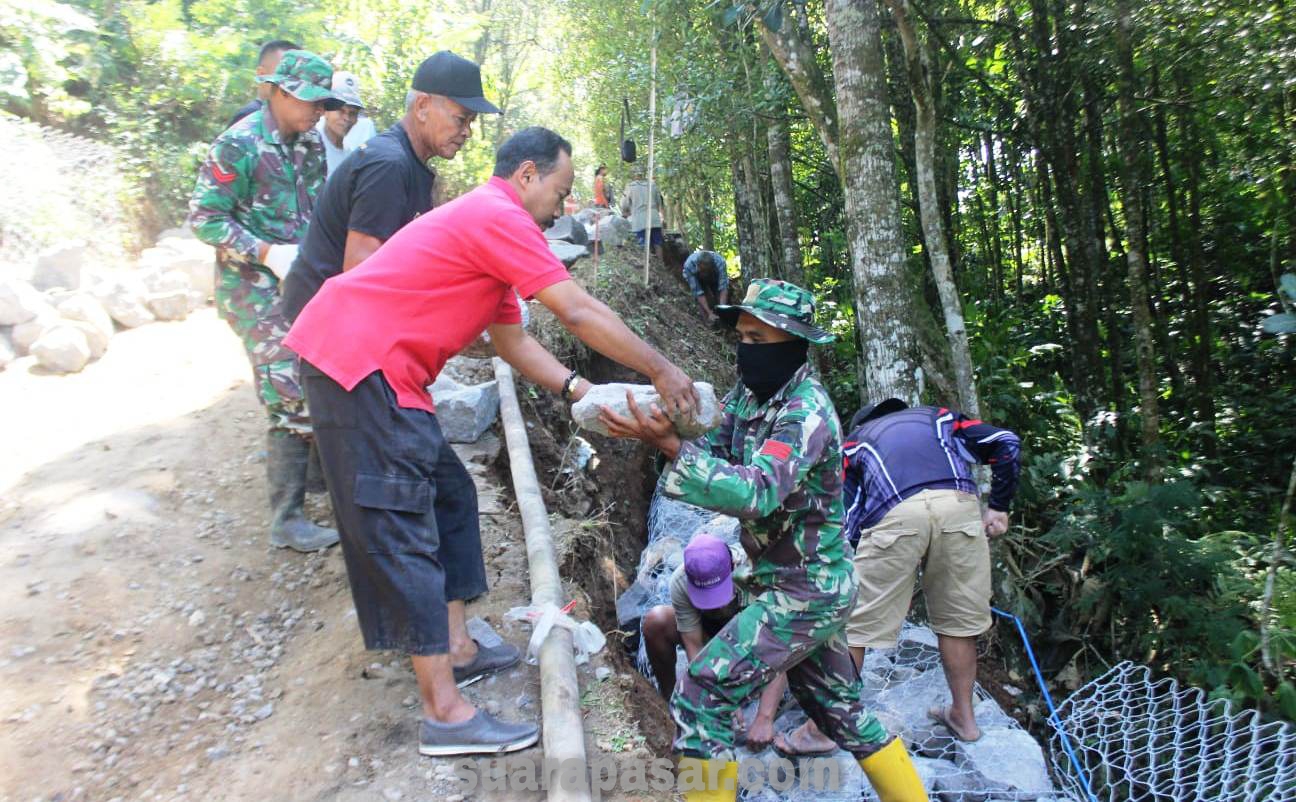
{"x": 305, "y": 76}
{"x": 781, "y": 304}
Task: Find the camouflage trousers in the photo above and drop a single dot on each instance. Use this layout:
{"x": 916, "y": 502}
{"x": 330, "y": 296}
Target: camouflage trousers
{"x": 248, "y": 299}
{"x": 775, "y": 632}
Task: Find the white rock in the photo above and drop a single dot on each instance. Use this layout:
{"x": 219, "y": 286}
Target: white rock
{"x": 123, "y": 299}
{"x": 1006, "y": 757}
{"x": 192, "y": 258}
{"x": 85, "y": 307}
{"x": 7, "y": 354}
{"x": 20, "y": 302}
{"x": 612, "y": 230}
{"x": 197, "y": 618}
{"x": 62, "y": 348}
{"x": 464, "y": 412}
{"x": 159, "y": 280}
{"x": 169, "y": 305}
{"x": 96, "y": 339}
{"x": 586, "y": 411}
{"x": 60, "y": 266}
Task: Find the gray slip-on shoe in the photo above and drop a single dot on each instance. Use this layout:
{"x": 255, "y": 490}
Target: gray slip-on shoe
{"x": 489, "y": 659}
{"x": 483, "y": 734}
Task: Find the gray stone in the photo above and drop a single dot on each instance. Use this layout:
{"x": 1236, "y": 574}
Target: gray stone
{"x": 630, "y": 605}
{"x": 464, "y": 411}
{"x": 169, "y": 305}
{"x": 123, "y": 299}
{"x": 62, "y": 348}
{"x": 60, "y": 266}
{"x": 482, "y": 632}
{"x": 160, "y": 280}
{"x": 611, "y": 230}
{"x": 586, "y": 411}
{"x": 1007, "y": 758}
{"x": 86, "y": 308}
{"x": 190, "y": 257}
{"x": 566, "y": 252}
{"x": 20, "y": 302}
{"x": 264, "y": 712}
{"x": 567, "y": 228}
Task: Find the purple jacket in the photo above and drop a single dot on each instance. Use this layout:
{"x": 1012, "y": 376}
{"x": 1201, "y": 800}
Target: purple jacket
{"x": 892, "y": 457}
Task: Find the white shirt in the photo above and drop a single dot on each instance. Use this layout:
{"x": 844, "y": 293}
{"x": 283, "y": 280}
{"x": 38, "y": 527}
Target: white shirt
{"x": 360, "y": 133}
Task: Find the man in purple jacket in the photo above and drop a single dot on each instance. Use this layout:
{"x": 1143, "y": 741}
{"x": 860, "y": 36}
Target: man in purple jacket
{"x": 911, "y": 500}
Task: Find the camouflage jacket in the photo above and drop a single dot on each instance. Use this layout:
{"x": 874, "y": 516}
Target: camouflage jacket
{"x": 777, "y": 467}
{"x": 254, "y": 188}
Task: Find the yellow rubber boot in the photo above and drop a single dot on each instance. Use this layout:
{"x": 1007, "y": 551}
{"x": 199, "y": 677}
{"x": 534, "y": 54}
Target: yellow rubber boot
{"x": 714, "y": 780}
{"x": 892, "y": 774}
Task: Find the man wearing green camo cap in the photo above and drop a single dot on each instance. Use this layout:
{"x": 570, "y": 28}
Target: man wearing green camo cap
{"x": 254, "y": 197}
{"x": 775, "y": 463}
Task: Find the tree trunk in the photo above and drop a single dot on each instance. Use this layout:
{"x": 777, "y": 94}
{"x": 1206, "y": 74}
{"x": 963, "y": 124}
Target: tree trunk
{"x": 796, "y": 57}
{"x": 780, "y": 162}
{"x": 884, "y": 295}
{"x": 708, "y": 217}
{"x": 919, "y": 71}
{"x": 1133, "y": 177}
{"x": 744, "y": 209}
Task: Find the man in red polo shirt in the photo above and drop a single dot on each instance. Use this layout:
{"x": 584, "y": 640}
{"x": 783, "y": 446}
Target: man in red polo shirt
{"x": 371, "y": 342}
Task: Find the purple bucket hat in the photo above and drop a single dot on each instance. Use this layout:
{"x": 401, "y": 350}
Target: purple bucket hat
{"x": 708, "y": 572}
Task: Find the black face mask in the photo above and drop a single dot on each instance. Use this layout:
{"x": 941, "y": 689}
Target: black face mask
{"x": 765, "y": 367}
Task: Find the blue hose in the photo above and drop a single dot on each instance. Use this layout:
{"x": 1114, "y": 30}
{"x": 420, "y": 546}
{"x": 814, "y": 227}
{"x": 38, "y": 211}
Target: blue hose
{"x": 1054, "y": 719}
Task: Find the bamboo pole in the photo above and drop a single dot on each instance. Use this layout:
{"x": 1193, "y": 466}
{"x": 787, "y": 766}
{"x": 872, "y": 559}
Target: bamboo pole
{"x": 564, "y": 737}
{"x": 652, "y": 155}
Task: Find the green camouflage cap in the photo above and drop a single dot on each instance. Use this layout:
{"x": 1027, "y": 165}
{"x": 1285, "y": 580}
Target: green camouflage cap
{"x": 305, "y": 76}
{"x": 781, "y": 304}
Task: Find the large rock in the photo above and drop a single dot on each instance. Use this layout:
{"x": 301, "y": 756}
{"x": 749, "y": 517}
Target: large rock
{"x": 7, "y": 354}
{"x": 19, "y": 302}
{"x": 190, "y": 257}
{"x": 1007, "y": 759}
{"x": 566, "y": 252}
{"x": 464, "y": 412}
{"x": 611, "y": 231}
{"x": 63, "y": 348}
{"x": 86, "y": 308}
{"x": 169, "y": 304}
{"x": 25, "y": 334}
{"x": 569, "y": 229}
{"x": 123, "y": 299}
{"x": 60, "y": 266}
{"x": 586, "y": 411}
{"x": 96, "y": 339}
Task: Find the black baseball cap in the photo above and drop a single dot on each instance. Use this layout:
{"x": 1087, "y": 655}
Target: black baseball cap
{"x": 455, "y": 77}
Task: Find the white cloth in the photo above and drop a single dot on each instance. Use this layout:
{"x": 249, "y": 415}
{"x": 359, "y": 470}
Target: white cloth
{"x": 280, "y": 258}
{"x": 360, "y": 133}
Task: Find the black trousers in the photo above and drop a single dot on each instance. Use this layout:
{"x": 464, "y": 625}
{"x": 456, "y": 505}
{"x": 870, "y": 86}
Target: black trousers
{"x": 406, "y": 510}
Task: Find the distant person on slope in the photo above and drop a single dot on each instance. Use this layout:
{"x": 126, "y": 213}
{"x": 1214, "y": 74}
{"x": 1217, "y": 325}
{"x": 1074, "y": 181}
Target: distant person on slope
{"x": 774, "y": 462}
{"x": 388, "y": 181}
{"x": 267, "y": 60}
{"x": 372, "y": 340}
{"x": 253, "y": 200}
{"x": 634, "y": 205}
{"x": 707, "y": 277}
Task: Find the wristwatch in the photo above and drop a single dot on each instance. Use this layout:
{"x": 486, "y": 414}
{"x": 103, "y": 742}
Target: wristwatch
{"x": 569, "y": 386}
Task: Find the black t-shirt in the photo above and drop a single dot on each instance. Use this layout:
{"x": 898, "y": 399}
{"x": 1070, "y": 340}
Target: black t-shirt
{"x": 244, "y": 111}
{"x": 376, "y": 190}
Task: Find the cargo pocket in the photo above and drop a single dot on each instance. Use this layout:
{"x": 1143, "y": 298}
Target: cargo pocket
{"x": 967, "y": 529}
{"x": 383, "y": 492}
{"x": 396, "y": 514}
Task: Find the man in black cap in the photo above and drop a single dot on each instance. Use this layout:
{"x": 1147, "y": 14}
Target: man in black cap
{"x": 387, "y": 181}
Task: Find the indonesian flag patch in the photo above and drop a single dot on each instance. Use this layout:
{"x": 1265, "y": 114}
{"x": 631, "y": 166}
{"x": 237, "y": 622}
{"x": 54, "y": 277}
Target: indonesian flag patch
{"x": 777, "y": 450}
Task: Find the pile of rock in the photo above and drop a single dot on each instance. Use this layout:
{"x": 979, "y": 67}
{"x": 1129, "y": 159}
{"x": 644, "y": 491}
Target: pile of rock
{"x": 64, "y": 312}
{"x": 567, "y": 239}
{"x": 604, "y": 226}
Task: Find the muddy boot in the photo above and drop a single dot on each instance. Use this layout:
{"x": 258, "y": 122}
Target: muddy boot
{"x": 315, "y": 471}
{"x": 286, "y": 458}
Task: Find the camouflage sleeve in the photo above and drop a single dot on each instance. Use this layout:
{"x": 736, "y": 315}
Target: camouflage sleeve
{"x": 758, "y": 488}
{"x": 224, "y": 179}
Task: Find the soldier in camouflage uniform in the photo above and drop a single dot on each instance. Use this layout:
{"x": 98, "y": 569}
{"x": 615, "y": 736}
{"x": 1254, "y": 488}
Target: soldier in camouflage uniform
{"x": 775, "y": 462}
{"x": 253, "y": 200}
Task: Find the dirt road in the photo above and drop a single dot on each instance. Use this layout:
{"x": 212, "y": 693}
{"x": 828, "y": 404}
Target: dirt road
{"x": 152, "y": 645}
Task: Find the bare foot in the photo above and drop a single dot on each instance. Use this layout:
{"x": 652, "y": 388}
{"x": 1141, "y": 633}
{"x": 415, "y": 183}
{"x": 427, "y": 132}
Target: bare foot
{"x": 760, "y": 733}
{"x": 805, "y": 740}
{"x": 964, "y": 731}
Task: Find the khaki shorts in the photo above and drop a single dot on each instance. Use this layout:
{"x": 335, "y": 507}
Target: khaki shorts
{"x": 941, "y": 531}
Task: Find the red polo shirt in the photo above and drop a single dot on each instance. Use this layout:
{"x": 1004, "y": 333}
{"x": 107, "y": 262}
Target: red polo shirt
{"x": 428, "y": 292}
